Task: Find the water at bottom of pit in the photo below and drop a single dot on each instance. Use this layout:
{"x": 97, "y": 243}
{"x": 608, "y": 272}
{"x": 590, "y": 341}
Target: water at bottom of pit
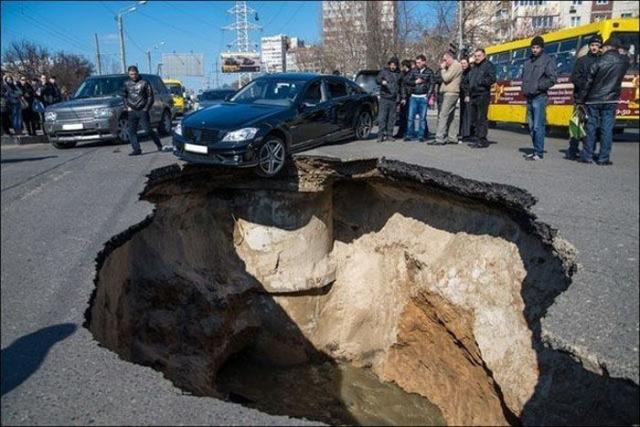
{"x": 328, "y": 391}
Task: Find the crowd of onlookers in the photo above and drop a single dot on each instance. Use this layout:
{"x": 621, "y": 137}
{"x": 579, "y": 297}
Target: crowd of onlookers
{"x": 410, "y": 88}
{"x": 24, "y": 101}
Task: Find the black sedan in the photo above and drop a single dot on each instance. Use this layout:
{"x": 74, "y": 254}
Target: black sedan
{"x": 273, "y": 116}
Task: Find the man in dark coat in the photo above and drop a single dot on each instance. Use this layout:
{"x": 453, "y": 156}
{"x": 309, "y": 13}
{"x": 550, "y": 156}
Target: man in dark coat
{"x": 390, "y": 81}
{"x": 601, "y": 94}
{"x": 481, "y": 77}
{"x": 538, "y": 76}
{"x": 405, "y": 92}
{"x": 579, "y": 78}
{"x": 138, "y": 100}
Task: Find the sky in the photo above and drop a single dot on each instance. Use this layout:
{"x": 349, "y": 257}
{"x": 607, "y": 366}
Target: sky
{"x": 183, "y": 26}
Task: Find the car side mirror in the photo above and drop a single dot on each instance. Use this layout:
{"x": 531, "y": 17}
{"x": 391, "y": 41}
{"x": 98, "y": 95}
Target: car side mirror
{"x": 228, "y": 97}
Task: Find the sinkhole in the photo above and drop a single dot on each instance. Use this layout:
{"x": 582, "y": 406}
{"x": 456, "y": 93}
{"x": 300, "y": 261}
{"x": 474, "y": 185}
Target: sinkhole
{"x": 360, "y": 293}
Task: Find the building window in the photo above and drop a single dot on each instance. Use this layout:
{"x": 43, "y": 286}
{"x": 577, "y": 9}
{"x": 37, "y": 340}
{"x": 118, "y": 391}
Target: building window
{"x": 532, "y": 3}
{"x": 542, "y": 21}
{"x": 576, "y": 2}
{"x": 626, "y": 15}
{"x": 602, "y": 2}
{"x": 575, "y": 21}
{"x": 599, "y": 17}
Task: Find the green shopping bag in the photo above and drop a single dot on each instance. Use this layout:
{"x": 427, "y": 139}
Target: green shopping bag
{"x": 576, "y": 124}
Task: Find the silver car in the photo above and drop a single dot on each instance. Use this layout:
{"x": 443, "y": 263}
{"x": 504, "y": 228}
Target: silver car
{"x": 96, "y": 112}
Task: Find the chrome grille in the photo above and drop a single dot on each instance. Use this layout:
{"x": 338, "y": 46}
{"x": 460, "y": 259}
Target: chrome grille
{"x": 74, "y": 114}
{"x": 203, "y": 136}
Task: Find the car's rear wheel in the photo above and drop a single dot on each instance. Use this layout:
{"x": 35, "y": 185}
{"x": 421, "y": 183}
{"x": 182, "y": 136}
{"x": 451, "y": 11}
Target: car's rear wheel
{"x": 64, "y": 145}
{"x": 123, "y": 131}
{"x": 164, "y": 127}
{"x": 271, "y": 157}
{"x": 364, "y": 123}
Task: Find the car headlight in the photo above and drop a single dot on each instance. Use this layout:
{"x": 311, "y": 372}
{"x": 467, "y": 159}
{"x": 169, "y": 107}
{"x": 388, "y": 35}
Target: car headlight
{"x": 178, "y": 129}
{"x": 101, "y": 113}
{"x": 243, "y": 134}
{"x": 50, "y": 116}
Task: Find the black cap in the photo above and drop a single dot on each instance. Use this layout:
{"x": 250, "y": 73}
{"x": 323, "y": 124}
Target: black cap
{"x": 537, "y": 41}
{"x": 614, "y": 42}
{"x": 595, "y": 39}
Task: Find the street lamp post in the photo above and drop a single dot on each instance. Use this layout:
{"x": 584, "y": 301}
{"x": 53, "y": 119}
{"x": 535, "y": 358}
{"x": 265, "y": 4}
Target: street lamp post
{"x": 121, "y": 13}
{"x": 156, "y": 46}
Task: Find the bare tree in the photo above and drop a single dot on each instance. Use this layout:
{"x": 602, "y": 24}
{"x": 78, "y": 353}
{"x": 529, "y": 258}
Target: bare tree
{"x": 25, "y": 58}
{"x": 29, "y": 59}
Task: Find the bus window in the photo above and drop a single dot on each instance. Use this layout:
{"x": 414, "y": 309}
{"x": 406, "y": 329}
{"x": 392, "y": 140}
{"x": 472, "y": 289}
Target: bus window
{"x": 502, "y": 62}
{"x": 515, "y": 71}
{"x": 565, "y": 62}
{"x": 566, "y": 57}
{"x": 551, "y": 48}
{"x": 632, "y": 41}
{"x": 568, "y": 45}
{"x": 584, "y": 40}
{"x": 519, "y": 54}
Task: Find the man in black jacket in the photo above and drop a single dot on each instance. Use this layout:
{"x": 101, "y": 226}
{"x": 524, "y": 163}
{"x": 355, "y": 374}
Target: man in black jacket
{"x": 138, "y": 100}
{"x": 601, "y": 94}
{"x": 579, "y": 78}
{"x": 420, "y": 82}
{"x": 481, "y": 77}
{"x": 389, "y": 80}
{"x": 538, "y": 76}
{"x": 405, "y": 92}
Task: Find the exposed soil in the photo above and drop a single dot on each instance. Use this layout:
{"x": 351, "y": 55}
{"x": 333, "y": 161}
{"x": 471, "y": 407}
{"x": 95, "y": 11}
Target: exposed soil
{"x": 350, "y": 293}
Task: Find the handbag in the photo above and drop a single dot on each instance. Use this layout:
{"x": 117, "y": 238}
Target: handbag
{"x": 576, "y": 123}
{"x": 38, "y": 106}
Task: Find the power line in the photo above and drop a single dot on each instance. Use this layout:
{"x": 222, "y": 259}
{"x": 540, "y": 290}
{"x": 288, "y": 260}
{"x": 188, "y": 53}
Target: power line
{"x": 134, "y": 43}
{"x": 276, "y": 14}
{"x": 291, "y": 17}
{"x": 184, "y": 12}
{"x": 55, "y": 34}
{"x": 159, "y": 21}
{"x": 54, "y": 27}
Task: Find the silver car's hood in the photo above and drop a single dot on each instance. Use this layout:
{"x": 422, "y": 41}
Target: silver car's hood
{"x": 82, "y": 103}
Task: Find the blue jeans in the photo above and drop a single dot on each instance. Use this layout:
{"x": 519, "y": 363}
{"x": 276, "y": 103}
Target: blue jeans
{"x": 417, "y": 106}
{"x": 536, "y": 116}
{"x": 603, "y": 117}
{"x": 16, "y": 117}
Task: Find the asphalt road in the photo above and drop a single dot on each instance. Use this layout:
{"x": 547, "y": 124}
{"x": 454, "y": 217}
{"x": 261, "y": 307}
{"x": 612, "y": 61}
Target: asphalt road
{"x": 60, "y": 206}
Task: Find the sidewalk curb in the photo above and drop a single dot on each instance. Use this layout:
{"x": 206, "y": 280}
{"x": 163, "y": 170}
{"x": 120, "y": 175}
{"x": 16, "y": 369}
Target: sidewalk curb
{"x": 24, "y": 140}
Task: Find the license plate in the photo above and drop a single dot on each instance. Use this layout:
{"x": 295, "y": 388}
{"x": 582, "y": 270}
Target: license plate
{"x": 195, "y": 148}
{"x": 72, "y": 126}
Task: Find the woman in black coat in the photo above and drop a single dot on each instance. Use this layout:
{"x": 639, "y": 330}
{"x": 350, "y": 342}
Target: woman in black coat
{"x": 465, "y": 119}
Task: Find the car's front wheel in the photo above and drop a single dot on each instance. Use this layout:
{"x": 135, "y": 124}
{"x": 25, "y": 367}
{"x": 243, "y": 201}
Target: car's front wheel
{"x": 272, "y": 157}
{"x": 164, "y": 128}
{"x": 364, "y": 123}
{"x": 123, "y": 131}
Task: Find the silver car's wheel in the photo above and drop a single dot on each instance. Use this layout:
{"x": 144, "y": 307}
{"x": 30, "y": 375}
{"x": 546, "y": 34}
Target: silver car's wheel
{"x": 364, "y": 125}
{"x": 123, "y": 131}
{"x": 272, "y": 156}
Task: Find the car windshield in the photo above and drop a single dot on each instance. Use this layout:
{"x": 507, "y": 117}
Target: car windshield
{"x": 175, "y": 89}
{"x": 367, "y": 82}
{"x": 104, "y": 86}
{"x": 269, "y": 91}
{"x": 215, "y": 95}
